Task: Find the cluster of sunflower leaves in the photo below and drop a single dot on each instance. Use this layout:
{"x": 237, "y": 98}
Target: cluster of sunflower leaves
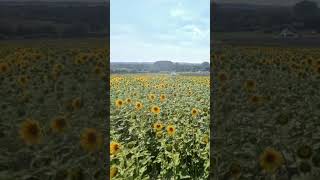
{"x": 52, "y": 112}
{"x": 266, "y": 113}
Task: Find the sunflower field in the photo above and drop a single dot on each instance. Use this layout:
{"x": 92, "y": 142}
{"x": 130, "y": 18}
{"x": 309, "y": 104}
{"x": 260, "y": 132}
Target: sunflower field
{"x": 267, "y": 115}
{"x": 53, "y": 111}
{"x": 159, "y": 126}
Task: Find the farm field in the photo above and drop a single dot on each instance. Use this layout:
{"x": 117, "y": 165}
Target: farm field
{"x": 267, "y": 113}
{"x": 53, "y": 124}
{"x": 159, "y": 126}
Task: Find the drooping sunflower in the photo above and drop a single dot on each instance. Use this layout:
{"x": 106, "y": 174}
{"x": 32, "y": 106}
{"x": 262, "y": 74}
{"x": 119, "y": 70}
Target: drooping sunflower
{"x": 194, "y": 112}
{"x": 157, "y": 126}
{"x": 114, "y": 148}
{"x": 30, "y": 132}
{"x": 162, "y": 97}
{"x": 119, "y": 103}
{"x": 91, "y": 139}
{"x": 59, "y": 124}
{"x": 139, "y": 105}
{"x": 113, "y": 172}
{"x": 155, "y": 109}
{"x": 270, "y": 160}
{"x": 171, "y": 130}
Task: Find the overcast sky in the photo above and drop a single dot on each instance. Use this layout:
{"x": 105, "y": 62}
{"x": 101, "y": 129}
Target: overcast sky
{"x": 152, "y": 30}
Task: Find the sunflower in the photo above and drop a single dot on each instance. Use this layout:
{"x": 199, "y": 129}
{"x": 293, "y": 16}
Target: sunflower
{"x": 113, "y": 172}
{"x": 119, "y": 103}
{"x": 114, "y": 148}
{"x": 157, "y": 126}
{"x": 159, "y": 134}
{"x": 152, "y": 97}
{"x": 59, "y": 124}
{"x": 139, "y": 105}
{"x": 155, "y": 109}
{"x": 304, "y": 151}
{"x": 91, "y": 139}
{"x": 250, "y": 85}
{"x": 23, "y": 80}
{"x": 255, "y": 99}
{"x": 76, "y": 103}
{"x": 194, "y": 112}
{"x": 4, "y": 67}
{"x": 128, "y": 100}
{"x": 30, "y": 131}
{"x": 162, "y": 97}
{"x": 271, "y": 160}
{"x": 235, "y": 170}
{"x": 171, "y": 130}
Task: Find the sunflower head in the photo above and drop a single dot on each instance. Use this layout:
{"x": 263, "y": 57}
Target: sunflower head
{"x": 128, "y": 100}
{"x": 23, "y": 80}
{"x": 139, "y": 105}
{"x": 59, "y": 124}
{"x": 171, "y": 130}
{"x": 155, "y": 109}
{"x": 4, "y": 67}
{"x": 162, "y": 97}
{"x": 113, "y": 171}
{"x": 115, "y": 147}
{"x": 119, "y": 103}
{"x": 157, "y": 126}
{"x": 250, "y": 85}
{"x": 235, "y": 170}
{"x": 304, "y": 151}
{"x": 151, "y": 97}
{"x": 30, "y": 131}
{"x": 91, "y": 139}
{"x": 271, "y": 160}
{"x": 159, "y": 134}
{"x": 194, "y": 112}
{"x": 76, "y": 103}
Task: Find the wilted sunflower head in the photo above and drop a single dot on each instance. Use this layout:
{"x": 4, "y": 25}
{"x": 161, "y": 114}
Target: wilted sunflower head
{"x": 113, "y": 171}
{"x": 4, "y": 67}
{"x": 271, "y": 160}
{"x": 155, "y": 109}
{"x": 157, "y": 126}
{"x": 59, "y": 124}
{"x": 91, "y": 139}
{"x": 119, "y": 103}
{"x": 139, "y": 105}
{"x": 114, "y": 148}
{"x": 30, "y": 131}
{"x": 171, "y": 130}
{"x": 194, "y": 112}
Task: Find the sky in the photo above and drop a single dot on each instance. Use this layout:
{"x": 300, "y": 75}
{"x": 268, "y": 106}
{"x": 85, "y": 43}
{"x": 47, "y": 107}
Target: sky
{"x": 153, "y": 30}
{"x": 265, "y": 2}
